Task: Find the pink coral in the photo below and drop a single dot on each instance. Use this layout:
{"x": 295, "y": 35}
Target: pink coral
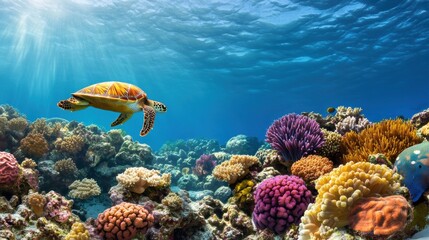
{"x": 124, "y": 221}
{"x": 57, "y": 207}
{"x": 9, "y": 169}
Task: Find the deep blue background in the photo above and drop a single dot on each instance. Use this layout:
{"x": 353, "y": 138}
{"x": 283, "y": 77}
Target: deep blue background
{"x": 222, "y": 67}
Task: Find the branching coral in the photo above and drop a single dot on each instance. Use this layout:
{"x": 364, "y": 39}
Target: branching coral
{"x": 50, "y": 131}
{"x": 380, "y": 216}
{"x": 71, "y": 144}
{"x": 311, "y": 167}
{"x": 86, "y": 188}
{"x": 235, "y": 168}
{"x": 78, "y": 232}
{"x": 388, "y": 137}
{"x": 123, "y": 221}
{"x": 65, "y": 166}
{"x": 37, "y": 202}
{"x": 294, "y": 136}
{"x": 137, "y": 179}
{"x": 351, "y": 123}
{"x": 339, "y": 190}
{"x": 18, "y": 125}
{"x": 34, "y": 145}
{"x": 280, "y": 202}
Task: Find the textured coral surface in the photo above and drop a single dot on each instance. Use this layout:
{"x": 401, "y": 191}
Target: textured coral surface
{"x": 235, "y": 168}
{"x": 311, "y": 167}
{"x": 9, "y": 169}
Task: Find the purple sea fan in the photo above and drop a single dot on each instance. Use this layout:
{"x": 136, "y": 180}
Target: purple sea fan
{"x": 204, "y": 165}
{"x": 294, "y": 136}
{"x": 280, "y": 201}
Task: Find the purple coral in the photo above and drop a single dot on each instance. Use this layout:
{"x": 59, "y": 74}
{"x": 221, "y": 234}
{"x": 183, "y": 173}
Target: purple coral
{"x": 58, "y": 208}
{"x": 279, "y": 202}
{"x": 204, "y": 165}
{"x": 295, "y": 136}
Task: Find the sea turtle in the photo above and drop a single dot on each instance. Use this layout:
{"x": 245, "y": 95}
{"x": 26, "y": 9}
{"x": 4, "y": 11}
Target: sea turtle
{"x": 118, "y": 97}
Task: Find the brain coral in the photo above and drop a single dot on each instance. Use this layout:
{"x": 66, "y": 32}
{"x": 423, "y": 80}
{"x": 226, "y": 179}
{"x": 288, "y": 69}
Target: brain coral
{"x": 339, "y": 190}
{"x": 280, "y": 202}
{"x": 294, "y": 136}
{"x": 311, "y": 167}
{"x": 235, "y": 168}
{"x": 137, "y": 179}
{"x": 86, "y": 188}
{"x": 123, "y": 221}
{"x": 380, "y": 216}
{"x": 9, "y": 169}
{"x": 388, "y": 137}
{"x": 34, "y": 145}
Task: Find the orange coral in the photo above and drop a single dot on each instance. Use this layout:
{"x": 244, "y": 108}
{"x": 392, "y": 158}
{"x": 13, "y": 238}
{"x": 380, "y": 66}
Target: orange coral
{"x": 72, "y": 144}
{"x": 382, "y": 216}
{"x": 389, "y": 137}
{"x": 37, "y": 202}
{"x": 34, "y": 145}
{"x": 235, "y": 168}
{"x": 123, "y": 221}
{"x": 311, "y": 167}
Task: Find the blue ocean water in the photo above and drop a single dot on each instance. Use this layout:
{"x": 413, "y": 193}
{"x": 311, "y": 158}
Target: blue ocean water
{"x": 222, "y": 67}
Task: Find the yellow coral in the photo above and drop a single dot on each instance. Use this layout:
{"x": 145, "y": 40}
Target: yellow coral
{"x": 78, "y": 232}
{"x": 311, "y": 167}
{"x": 34, "y": 145}
{"x": 137, "y": 179}
{"x": 86, "y": 188}
{"x": 235, "y": 168}
{"x": 72, "y": 144}
{"x": 65, "y": 166}
{"x": 37, "y": 202}
{"x": 389, "y": 137}
{"x": 339, "y": 190}
{"x": 173, "y": 202}
{"x": 28, "y": 163}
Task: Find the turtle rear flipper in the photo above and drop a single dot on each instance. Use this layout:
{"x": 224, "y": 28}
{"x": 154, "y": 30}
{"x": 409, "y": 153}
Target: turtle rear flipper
{"x": 73, "y": 104}
{"x": 149, "y": 119}
{"x": 121, "y": 119}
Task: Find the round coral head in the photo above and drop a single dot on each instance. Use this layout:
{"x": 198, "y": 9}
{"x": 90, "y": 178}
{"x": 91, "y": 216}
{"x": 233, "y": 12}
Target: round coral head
{"x": 9, "y": 169}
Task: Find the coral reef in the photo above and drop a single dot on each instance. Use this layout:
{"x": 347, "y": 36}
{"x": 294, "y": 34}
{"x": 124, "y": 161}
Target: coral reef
{"x": 332, "y": 146}
{"x": 235, "y": 168}
{"x": 124, "y": 221}
{"x": 65, "y": 166}
{"x": 70, "y": 145}
{"x": 138, "y": 179}
{"x": 242, "y": 145}
{"x": 280, "y": 202}
{"x": 173, "y": 202}
{"x": 243, "y": 195}
{"x": 57, "y": 207}
{"x": 380, "y": 216}
{"x": 294, "y": 136}
{"x": 83, "y": 189}
{"x": 420, "y": 119}
{"x": 339, "y": 190}
{"x": 36, "y": 202}
{"x": 78, "y": 232}
{"x": 34, "y": 145}
{"x": 311, "y": 167}
{"x": 9, "y": 172}
{"x": 204, "y": 165}
{"x": 351, "y": 123}
{"x": 388, "y": 137}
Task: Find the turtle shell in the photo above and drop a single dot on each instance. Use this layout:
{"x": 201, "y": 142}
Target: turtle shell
{"x": 113, "y": 90}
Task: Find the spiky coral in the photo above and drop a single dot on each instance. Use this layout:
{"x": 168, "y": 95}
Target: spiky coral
{"x": 294, "y": 136}
{"x": 235, "y": 168}
{"x": 388, "y": 137}
{"x": 339, "y": 190}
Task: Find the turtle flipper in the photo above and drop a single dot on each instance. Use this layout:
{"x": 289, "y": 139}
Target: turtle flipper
{"x": 73, "y": 104}
{"x": 121, "y": 119}
{"x": 149, "y": 119}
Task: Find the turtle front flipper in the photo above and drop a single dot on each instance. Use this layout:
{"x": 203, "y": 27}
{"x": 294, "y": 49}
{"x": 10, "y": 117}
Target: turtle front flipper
{"x": 149, "y": 119}
{"x": 73, "y": 104}
{"x": 121, "y": 119}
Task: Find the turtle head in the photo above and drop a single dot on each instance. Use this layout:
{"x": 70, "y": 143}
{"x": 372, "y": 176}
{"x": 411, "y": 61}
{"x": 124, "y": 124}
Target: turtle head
{"x": 158, "y": 106}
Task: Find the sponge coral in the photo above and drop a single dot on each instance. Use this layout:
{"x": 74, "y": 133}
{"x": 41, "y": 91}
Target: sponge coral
{"x": 339, "y": 190}
{"x": 280, "y": 202}
{"x": 34, "y": 145}
{"x": 294, "y": 136}
{"x": 235, "y": 168}
{"x": 380, "y": 216}
{"x": 123, "y": 221}
{"x": 311, "y": 167}
{"x": 137, "y": 179}
{"x": 86, "y": 188}
{"x": 388, "y": 137}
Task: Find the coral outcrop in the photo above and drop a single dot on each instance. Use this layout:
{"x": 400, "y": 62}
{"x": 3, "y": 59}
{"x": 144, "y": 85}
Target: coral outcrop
{"x": 9, "y": 171}
{"x": 311, "y": 167}
{"x": 138, "y": 179}
{"x": 34, "y": 145}
{"x": 280, "y": 202}
{"x": 78, "y": 232}
{"x": 36, "y": 202}
{"x": 235, "y": 168}
{"x": 204, "y": 165}
{"x": 124, "y": 221}
{"x": 83, "y": 189}
{"x": 339, "y": 190}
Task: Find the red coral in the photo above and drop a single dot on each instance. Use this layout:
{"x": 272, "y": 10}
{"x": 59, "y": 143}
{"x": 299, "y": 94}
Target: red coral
{"x": 9, "y": 169}
{"x": 123, "y": 221}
